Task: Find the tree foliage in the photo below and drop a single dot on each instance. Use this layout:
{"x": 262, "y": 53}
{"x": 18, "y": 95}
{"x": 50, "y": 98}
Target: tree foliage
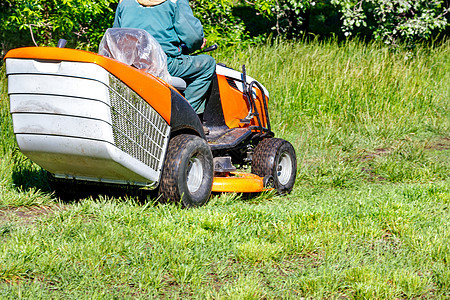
{"x": 219, "y": 23}
{"x": 289, "y": 15}
{"x": 44, "y": 22}
{"x": 394, "y": 21}
{"x": 391, "y": 21}
{"x": 83, "y": 22}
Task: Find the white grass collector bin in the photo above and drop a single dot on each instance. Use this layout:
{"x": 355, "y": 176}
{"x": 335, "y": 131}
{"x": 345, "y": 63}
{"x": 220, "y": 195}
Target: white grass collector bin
{"x": 78, "y": 121}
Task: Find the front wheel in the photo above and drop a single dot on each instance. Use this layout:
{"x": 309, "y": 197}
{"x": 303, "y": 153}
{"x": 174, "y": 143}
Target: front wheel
{"x": 188, "y": 171}
{"x": 276, "y": 157}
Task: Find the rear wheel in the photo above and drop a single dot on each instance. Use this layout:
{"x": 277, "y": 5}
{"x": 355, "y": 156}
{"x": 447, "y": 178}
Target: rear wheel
{"x": 188, "y": 171}
{"x": 276, "y": 157}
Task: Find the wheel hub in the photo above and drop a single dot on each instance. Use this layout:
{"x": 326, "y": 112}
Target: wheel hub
{"x": 284, "y": 168}
{"x": 194, "y": 174}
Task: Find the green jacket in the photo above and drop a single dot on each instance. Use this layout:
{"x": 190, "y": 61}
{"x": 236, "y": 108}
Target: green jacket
{"x": 171, "y": 23}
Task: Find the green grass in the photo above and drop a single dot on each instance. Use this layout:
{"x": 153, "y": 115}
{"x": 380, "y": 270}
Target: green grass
{"x": 368, "y": 217}
{"x": 339, "y": 104}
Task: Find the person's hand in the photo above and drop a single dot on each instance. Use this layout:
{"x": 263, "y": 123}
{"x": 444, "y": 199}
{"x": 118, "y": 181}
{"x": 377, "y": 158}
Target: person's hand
{"x": 204, "y": 43}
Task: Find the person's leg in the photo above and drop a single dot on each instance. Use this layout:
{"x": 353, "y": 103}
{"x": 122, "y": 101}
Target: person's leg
{"x": 197, "y": 71}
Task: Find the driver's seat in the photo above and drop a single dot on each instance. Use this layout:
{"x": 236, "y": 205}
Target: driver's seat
{"x": 178, "y": 83}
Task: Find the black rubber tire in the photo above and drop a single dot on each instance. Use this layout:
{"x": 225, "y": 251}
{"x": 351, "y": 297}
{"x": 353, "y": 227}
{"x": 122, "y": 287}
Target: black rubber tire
{"x": 184, "y": 152}
{"x": 269, "y": 156}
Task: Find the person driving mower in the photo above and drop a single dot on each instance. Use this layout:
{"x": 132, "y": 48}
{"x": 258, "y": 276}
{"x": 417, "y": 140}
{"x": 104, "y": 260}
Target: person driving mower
{"x": 173, "y": 25}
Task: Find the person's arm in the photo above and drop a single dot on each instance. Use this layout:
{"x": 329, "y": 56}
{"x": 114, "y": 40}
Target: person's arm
{"x": 188, "y": 28}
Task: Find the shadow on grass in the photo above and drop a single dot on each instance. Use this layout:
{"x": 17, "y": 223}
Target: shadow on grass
{"x": 69, "y": 190}
{"x": 28, "y": 177}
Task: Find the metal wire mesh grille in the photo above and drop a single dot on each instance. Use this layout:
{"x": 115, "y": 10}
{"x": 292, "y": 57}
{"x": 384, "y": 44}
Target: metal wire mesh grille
{"x": 137, "y": 128}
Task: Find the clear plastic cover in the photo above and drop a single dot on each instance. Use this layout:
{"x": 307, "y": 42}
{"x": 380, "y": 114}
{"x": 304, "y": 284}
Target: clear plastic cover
{"x": 137, "y": 48}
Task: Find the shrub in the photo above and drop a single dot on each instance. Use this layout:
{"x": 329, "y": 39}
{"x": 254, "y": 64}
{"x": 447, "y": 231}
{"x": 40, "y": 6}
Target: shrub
{"x": 290, "y": 16}
{"x": 394, "y": 21}
{"x": 219, "y": 23}
{"x": 44, "y": 22}
{"x": 391, "y": 21}
{"x": 83, "y": 22}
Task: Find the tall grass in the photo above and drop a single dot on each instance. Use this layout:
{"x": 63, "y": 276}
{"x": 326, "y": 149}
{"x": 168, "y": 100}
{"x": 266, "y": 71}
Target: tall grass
{"x": 337, "y": 102}
{"x": 368, "y": 217}
{"x": 353, "y": 85}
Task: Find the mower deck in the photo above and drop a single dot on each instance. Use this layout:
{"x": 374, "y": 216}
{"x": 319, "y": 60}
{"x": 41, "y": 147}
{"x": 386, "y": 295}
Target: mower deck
{"x": 238, "y": 182}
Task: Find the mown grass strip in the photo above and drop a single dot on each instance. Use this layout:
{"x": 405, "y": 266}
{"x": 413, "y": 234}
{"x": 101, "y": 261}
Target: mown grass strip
{"x": 380, "y": 241}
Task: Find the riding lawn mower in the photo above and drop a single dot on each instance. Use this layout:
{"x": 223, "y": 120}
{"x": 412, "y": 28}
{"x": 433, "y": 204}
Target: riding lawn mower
{"x": 89, "y": 119}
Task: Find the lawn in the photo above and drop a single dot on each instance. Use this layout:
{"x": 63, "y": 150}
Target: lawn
{"x": 368, "y": 216}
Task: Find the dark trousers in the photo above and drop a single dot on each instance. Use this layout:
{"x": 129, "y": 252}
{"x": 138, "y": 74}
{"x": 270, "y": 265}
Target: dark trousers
{"x": 197, "y": 71}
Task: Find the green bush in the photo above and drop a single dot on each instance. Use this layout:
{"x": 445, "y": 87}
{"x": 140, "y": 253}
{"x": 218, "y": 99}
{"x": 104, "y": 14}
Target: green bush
{"x": 290, "y": 16}
{"x": 394, "y": 21}
{"x": 80, "y": 22}
{"x": 219, "y": 23}
{"x": 83, "y": 22}
{"x": 391, "y": 21}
